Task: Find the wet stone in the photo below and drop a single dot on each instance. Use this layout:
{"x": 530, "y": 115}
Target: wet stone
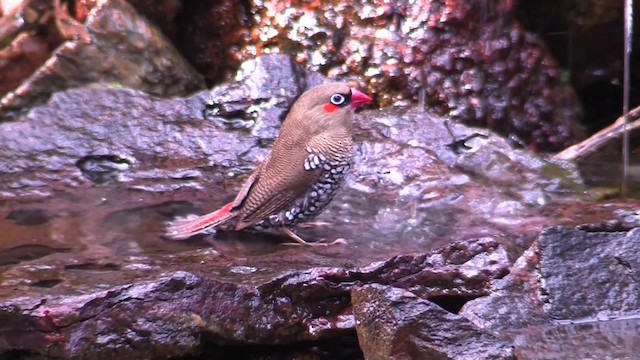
{"x": 217, "y": 300}
{"x": 416, "y": 215}
{"x": 396, "y": 324}
{"x": 468, "y": 61}
{"x": 110, "y": 53}
{"x": 571, "y": 295}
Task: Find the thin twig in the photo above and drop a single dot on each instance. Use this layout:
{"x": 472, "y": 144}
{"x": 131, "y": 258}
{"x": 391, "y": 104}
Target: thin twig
{"x": 601, "y": 138}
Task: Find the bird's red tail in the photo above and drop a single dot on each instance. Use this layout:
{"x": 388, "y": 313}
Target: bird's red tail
{"x": 182, "y": 229}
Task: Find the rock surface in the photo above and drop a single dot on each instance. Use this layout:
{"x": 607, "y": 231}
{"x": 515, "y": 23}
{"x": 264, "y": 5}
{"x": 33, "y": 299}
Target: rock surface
{"x": 571, "y": 295}
{"x": 469, "y": 61}
{"x": 397, "y": 324}
{"x": 120, "y": 162}
{"x": 118, "y": 46}
{"x": 220, "y": 300}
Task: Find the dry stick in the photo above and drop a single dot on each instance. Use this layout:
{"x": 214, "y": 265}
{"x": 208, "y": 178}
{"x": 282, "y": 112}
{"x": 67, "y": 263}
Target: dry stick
{"x": 601, "y": 138}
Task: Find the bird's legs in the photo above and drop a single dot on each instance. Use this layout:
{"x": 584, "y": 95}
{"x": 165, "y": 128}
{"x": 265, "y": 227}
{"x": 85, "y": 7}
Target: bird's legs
{"x": 300, "y": 241}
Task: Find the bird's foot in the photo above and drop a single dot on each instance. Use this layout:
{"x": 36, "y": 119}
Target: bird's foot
{"x": 300, "y": 241}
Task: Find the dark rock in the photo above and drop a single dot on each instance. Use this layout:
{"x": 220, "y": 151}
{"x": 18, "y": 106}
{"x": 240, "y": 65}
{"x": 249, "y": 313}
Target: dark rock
{"x": 396, "y": 324}
{"x": 595, "y": 339}
{"x": 112, "y": 53}
{"x": 218, "y": 301}
{"x": 605, "y": 262}
{"x": 573, "y": 293}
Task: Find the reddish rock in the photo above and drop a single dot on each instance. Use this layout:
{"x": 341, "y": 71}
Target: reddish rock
{"x": 108, "y": 49}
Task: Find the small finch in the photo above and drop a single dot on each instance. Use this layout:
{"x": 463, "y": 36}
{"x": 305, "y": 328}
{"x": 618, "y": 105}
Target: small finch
{"x": 298, "y": 179}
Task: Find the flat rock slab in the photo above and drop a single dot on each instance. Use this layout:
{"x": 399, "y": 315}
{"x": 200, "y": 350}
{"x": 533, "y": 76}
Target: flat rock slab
{"x": 96, "y": 172}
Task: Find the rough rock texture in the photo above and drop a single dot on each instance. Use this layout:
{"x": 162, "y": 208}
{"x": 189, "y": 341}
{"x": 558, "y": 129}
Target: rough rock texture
{"x": 173, "y": 313}
{"x": 396, "y": 324}
{"x": 573, "y": 294}
{"x": 472, "y": 60}
{"x": 515, "y": 301}
{"x": 607, "y": 262}
{"x": 119, "y": 46}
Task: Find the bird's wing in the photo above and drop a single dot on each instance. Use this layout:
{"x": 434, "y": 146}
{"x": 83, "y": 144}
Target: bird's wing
{"x": 268, "y": 207}
{"x": 248, "y": 184}
{"x": 283, "y": 179}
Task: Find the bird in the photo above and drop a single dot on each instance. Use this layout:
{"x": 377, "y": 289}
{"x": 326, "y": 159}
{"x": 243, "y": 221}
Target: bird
{"x": 300, "y": 176}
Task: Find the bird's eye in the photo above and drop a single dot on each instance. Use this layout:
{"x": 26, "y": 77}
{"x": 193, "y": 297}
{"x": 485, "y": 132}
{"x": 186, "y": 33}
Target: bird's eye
{"x": 338, "y": 99}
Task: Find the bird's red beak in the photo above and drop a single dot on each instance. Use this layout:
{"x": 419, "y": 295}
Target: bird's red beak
{"x": 358, "y": 98}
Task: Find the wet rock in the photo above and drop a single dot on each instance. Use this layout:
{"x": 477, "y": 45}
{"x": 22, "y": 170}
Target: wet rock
{"x": 108, "y": 165}
{"x": 396, "y": 324}
{"x": 109, "y": 52}
{"x": 174, "y": 313}
{"x": 182, "y": 135}
{"x": 596, "y": 339}
{"x": 606, "y": 262}
{"x": 469, "y": 61}
{"x": 102, "y": 168}
{"x": 573, "y": 292}
{"x": 515, "y": 301}
{"x": 113, "y": 151}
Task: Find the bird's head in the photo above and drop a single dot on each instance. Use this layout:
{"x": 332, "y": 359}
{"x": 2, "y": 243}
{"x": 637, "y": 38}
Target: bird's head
{"x": 327, "y": 107}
